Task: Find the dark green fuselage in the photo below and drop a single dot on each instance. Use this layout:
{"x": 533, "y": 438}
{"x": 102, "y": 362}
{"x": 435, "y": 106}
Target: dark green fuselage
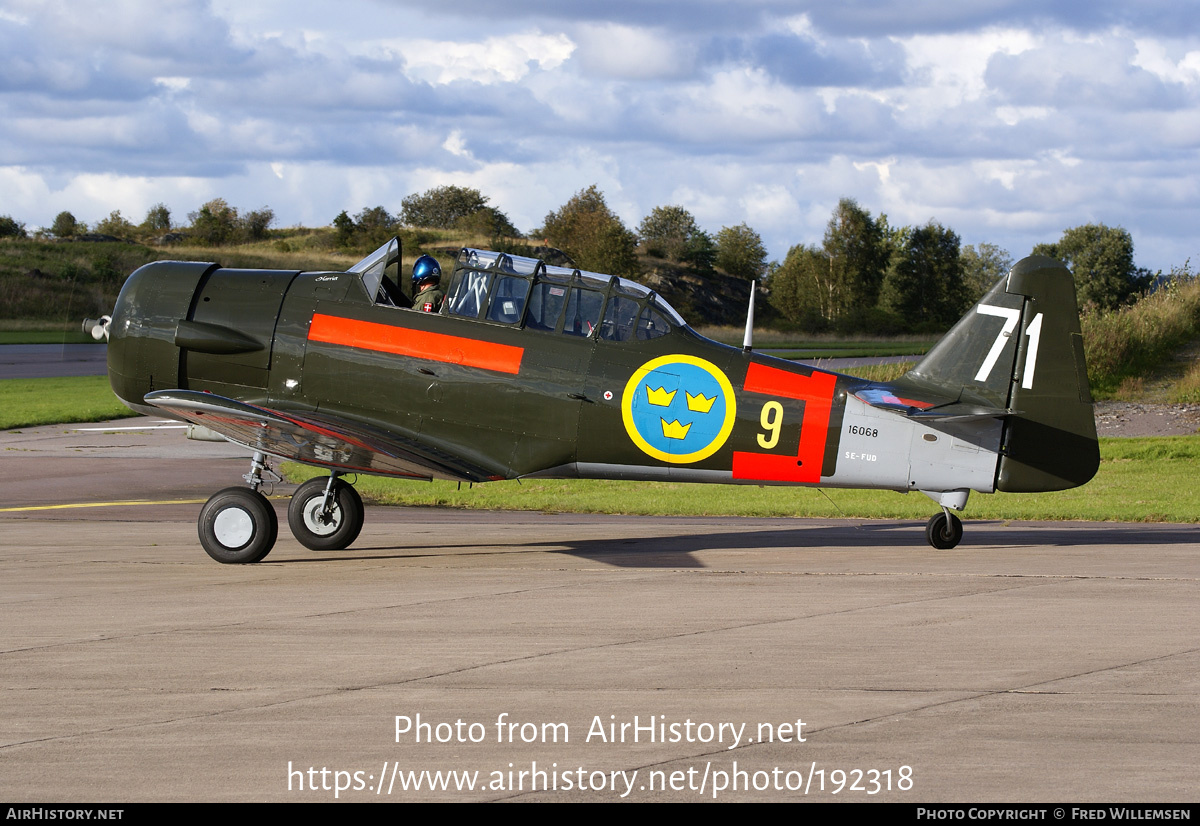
{"x": 565, "y": 374}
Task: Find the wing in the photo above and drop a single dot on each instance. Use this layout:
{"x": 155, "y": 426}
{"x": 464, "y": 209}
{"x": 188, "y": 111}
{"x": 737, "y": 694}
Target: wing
{"x": 315, "y": 438}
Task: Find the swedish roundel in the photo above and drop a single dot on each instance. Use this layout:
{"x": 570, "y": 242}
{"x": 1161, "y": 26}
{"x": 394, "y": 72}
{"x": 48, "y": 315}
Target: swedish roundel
{"x": 679, "y": 409}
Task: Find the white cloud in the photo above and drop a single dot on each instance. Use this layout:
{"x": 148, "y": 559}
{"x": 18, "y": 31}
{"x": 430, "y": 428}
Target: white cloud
{"x": 744, "y": 104}
{"x": 617, "y": 51}
{"x": 769, "y": 207}
{"x": 1003, "y": 172}
{"x": 952, "y": 66}
{"x": 174, "y": 84}
{"x": 14, "y": 17}
{"x": 802, "y": 26}
{"x": 1159, "y": 57}
{"x": 1012, "y": 115}
{"x": 501, "y": 59}
{"x": 455, "y": 145}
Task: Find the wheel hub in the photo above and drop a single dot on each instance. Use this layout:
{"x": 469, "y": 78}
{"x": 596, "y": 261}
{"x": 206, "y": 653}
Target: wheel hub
{"x": 320, "y": 523}
{"x": 233, "y": 528}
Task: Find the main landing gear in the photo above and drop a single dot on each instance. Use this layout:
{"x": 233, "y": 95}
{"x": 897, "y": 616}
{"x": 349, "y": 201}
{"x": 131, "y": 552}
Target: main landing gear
{"x": 238, "y": 525}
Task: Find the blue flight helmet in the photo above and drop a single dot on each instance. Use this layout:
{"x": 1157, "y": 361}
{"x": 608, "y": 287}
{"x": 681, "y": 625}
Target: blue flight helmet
{"x": 426, "y": 268}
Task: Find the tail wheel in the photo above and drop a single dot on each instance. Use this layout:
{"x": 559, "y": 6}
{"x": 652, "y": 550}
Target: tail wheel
{"x": 238, "y": 525}
{"x": 944, "y": 531}
{"x": 325, "y": 531}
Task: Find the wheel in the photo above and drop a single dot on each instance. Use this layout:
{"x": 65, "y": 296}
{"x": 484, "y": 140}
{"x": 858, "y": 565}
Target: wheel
{"x": 944, "y": 531}
{"x": 238, "y": 525}
{"x": 339, "y": 529}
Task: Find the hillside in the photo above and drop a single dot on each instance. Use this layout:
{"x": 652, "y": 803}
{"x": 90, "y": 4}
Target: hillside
{"x": 710, "y": 299}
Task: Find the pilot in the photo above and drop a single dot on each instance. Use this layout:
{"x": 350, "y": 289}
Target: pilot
{"x": 427, "y": 290}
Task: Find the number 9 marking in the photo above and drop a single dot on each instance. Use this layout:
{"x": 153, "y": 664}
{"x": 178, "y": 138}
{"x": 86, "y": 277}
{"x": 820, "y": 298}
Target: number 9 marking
{"x": 772, "y": 422}
{"x": 804, "y": 466}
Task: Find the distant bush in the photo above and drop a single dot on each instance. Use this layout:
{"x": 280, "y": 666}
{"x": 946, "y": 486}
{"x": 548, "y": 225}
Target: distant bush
{"x": 158, "y": 219}
{"x": 441, "y": 207}
{"x": 65, "y": 225}
{"x": 11, "y": 228}
{"x": 217, "y": 223}
{"x": 115, "y": 225}
{"x": 256, "y": 222}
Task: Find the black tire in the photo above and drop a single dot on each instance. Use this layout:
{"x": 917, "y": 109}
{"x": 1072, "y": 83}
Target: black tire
{"x": 944, "y": 532}
{"x": 304, "y": 515}
{"x": 237, "y": 526}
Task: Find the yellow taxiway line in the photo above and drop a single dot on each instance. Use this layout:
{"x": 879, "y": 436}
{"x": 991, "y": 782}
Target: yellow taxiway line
{"x": 116, "y": 504}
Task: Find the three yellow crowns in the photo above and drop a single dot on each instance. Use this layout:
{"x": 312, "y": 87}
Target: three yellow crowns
{"x": 661, "y": 398}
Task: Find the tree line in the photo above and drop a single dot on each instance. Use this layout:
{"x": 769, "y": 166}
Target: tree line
{"x": 865, "y": 275}
{"x": 216, "y": 223}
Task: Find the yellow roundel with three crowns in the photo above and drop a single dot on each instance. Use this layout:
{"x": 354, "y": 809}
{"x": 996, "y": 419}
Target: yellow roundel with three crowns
{"x": 679, "y": 409}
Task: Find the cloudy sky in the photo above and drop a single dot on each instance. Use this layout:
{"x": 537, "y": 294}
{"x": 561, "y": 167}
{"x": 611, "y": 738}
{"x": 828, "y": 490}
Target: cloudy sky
{"x": 1006, "y": 120}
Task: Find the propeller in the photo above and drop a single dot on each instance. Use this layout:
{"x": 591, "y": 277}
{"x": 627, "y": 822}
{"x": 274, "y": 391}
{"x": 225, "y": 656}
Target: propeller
{"x": 98, "y": 327}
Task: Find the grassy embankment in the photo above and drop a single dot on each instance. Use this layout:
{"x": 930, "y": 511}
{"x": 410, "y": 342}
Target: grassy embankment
{"x": 53, "y": 285}
{"x": 49, "y": 285}
{"x": 1132, "y": 350}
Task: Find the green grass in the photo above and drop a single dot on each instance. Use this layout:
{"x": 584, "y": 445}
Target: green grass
{"x": 32, "y": 402}
{"x": 879, "y": 372}
{"x": 1140, "y": 480}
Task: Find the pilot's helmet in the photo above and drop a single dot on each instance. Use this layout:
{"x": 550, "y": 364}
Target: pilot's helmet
{"x": 426, "y": 268}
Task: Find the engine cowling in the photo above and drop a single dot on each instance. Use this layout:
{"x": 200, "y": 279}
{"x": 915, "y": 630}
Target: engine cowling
{"x": 194, "y": 326}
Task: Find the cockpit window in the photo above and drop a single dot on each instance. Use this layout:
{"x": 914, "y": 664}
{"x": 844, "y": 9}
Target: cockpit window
{"x": 651, "y": 324}
{"x": 469, "y": 292}
{"x": 512, "y": 289}
{"x": 373, "y": 267}
{"x": 583, "y": 312}
{"x": 509, "y": 299}
{"x": 619, "y": 319}
{"x": 546, "y": 302}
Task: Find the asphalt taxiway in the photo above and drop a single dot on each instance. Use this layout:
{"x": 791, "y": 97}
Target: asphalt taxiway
{"x": 1037, "y": 662}
{"x": 32, "y": 361}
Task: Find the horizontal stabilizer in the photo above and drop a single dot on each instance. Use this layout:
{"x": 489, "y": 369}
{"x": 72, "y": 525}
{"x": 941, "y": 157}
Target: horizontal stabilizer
{"x": 888, "y": 397}
{"x": 931, "y": 408}
{"x": 961, "y": 412}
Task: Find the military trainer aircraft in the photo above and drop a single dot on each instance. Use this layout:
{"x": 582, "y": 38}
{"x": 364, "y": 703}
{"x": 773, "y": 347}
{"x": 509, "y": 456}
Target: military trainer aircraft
{"x": 532, "y": 370}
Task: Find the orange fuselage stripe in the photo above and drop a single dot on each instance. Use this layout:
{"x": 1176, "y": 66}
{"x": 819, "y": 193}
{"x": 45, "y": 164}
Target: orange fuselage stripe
{"x": 368, "y": 335}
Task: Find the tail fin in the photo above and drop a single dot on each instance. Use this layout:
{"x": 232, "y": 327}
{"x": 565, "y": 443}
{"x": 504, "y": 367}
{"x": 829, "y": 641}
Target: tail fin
{"x": 1021, "y": 349}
